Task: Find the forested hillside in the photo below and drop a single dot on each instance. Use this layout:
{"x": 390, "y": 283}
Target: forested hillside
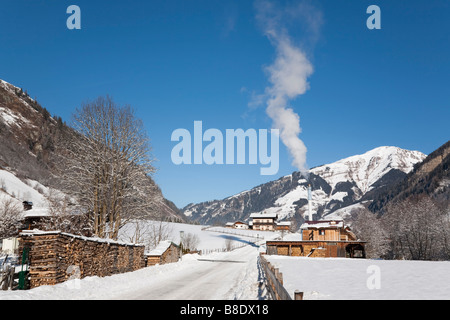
{"x": 430, "y": 177}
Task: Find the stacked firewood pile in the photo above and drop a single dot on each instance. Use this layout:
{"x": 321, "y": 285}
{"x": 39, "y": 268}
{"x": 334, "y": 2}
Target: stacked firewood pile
{"x": 55, "y": 257}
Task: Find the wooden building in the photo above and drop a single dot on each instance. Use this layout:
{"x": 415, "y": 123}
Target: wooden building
{"x": 33, "y": 218}
{"x": 283, "y": 225}
{"x": 326, "y": 239}
{"x": 165, "y": 252}
{"x": 330, "y": 230}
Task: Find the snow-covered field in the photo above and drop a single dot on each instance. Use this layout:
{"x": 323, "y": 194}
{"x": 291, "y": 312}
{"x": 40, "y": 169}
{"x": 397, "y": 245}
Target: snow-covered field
{"x": 361, "y": 279}
{"x": 235, "y": 275}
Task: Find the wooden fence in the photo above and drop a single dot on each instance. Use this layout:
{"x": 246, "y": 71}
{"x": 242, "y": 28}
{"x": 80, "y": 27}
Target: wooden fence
{"x": 55, "y": 257}
{"x": 7, "y": 276}
{"x": 274, "y": 282}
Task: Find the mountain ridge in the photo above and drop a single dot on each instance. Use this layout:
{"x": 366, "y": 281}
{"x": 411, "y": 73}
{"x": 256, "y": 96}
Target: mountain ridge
{"x": 334, "y": 186}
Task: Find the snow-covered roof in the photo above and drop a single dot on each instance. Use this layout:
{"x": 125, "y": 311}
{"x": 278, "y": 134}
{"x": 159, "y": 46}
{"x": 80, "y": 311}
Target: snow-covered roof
{"x": 234, "y": 223}
{"x": 322, "y": 224}
{"x": 283, "y": 223}
{"x": 37, "y": 232}
{"x": 264, "y": 215}
{"x": 160, "y": 248}
{"x": 36, "y": 212}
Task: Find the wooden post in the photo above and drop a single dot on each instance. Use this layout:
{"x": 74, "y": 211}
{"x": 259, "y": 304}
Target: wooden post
{"x": 5, "y": 277}
{"x": 298, "y": 295}
{"x": 11, "y": 277}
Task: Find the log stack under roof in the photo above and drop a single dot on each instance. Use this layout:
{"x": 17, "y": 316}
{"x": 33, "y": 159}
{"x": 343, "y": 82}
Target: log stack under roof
{"x": 55, "y": 257}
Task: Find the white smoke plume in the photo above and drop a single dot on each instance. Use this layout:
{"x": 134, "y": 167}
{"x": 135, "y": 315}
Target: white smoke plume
{"x": 289, "y": 72}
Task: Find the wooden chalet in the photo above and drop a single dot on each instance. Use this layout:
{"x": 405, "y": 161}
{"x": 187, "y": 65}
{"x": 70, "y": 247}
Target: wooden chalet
{"x": 326, "y": 239}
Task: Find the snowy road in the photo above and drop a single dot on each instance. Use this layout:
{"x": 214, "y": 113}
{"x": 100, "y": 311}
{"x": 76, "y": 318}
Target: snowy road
{"x": 218, "y": 276}
{"x": 227, "y": 276}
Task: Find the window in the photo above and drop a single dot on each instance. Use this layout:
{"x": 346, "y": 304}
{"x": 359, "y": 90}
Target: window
{"x": 321, "y": 232}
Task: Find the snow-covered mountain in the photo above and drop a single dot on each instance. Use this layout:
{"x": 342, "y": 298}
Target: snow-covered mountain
{"x": 336, "y": 187}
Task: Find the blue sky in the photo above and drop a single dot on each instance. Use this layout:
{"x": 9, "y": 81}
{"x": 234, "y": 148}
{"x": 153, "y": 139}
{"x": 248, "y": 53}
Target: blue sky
{"x": 177, "y": 62}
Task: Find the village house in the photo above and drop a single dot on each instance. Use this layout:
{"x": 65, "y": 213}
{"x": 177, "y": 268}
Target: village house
{"x": 264, "y": 221}
{"x": 326, "y": 238}
{"x": 237, "y": 225}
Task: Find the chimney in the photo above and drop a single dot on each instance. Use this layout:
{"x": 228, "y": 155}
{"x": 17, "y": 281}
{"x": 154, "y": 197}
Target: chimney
{"x": 27, "y": 205}
{"x": 309, "y": 203}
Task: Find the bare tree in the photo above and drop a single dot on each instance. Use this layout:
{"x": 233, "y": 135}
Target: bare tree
{"x": 444, "y": 235}
{"x": 229, "y": 244}
{"x": 158, "y": 231}
{"x": 190, "y": 242}
{"x": 10, "y": 215}
{"x": 415, "y": 227}
{"x": 62, "y": 217}
{"x": 369, "y": 228}
{"x": 108, "y": 166}
{"x": 138, "y": 232}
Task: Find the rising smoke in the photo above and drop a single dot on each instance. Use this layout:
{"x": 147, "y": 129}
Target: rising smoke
{"x": 289, "y": 72}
